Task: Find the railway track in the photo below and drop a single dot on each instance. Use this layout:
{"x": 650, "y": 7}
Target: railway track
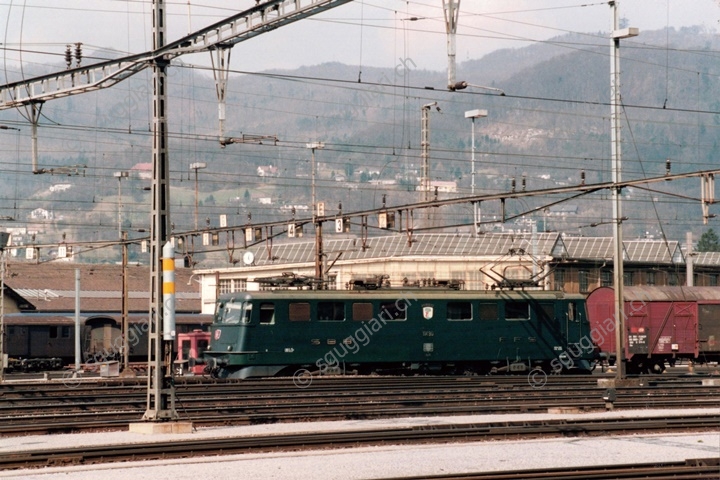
{"x": 26, "y": 409}
{"x": 184, "y": 448}
{"x": 693, "y": 469}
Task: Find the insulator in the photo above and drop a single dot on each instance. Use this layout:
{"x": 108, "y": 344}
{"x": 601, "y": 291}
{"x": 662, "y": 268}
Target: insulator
{"x": 582, "y": 177}
{"x": 383, "y": 199}
{"x": 667, "y": 167}
{"x": 512, "y": 185}
{"x": 68, "y": 56}
{"x": 524, "y": 183}
{"x": 78, "y": 53}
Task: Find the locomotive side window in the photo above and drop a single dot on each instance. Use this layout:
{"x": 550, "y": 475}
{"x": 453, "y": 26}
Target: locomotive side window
{"x": 267, "y": 313}
{"x": 393, "y": 311}
{"x": 547, "y": 312}
{"x": 53, "y": 332}
{"x": 459, "y": 311}
{"x": 202, "y": 345}
{"x": 299, "y": 312}
{"x": 362, "y": 312}
{"x": 488, "y": 311}
{"x": 331, "y": 311}
{"x": 65, "y": 332}
{"x": 517, "y": 311}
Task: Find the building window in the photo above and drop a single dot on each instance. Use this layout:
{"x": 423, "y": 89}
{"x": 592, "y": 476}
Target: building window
{"x": 559, "y": 279}
{"x": 628, "y": 279}
{"x": 583, "y": 280}
{"x": 672, "y": 279}
{"x": 650, "y": 278}
{"x": 606, "y": 278}
{"x": 713, "y": 280}
{"x": 230, "y": 285}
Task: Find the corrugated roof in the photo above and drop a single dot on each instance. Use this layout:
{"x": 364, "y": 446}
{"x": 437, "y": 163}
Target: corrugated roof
{"x": 639, "y": 251}
{"x": 707, "y": 259}
{"x": 50, "y": 286}
{"x": 433, "y": 245}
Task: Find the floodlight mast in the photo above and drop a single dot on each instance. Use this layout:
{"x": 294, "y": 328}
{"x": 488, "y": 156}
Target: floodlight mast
{"x": 473, "y": 114}
{"x": 616, "y": 161}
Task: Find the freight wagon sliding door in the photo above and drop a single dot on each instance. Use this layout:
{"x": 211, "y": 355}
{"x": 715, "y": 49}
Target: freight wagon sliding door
{"x": 709, "y": 327}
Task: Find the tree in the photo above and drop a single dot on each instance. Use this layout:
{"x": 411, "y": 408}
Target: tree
{"x": 709, "y": 242}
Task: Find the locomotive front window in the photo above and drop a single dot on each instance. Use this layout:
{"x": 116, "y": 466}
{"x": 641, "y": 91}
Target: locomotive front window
{"x": 459, "y": 311}
{"x": 393, "y": 311}
{"x": 299, "y": 312}
{"x": 236, "y": 312}
{"x": 331, "y": 311}
{"x": 517, "y": 311}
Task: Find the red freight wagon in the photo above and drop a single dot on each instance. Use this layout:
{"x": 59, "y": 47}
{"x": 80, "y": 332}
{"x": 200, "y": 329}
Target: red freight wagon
{"x": 662, "y": 324}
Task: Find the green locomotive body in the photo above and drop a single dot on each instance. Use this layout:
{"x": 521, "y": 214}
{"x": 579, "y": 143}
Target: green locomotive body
{"x": 280, "y": 332}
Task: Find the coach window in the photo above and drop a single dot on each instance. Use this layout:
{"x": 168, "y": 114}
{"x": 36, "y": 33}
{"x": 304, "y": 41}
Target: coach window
{"x": 299, "y": 312}
{"x": 459, "y": 311}
{"x": 331, "y": 311}
{"x": 393, "y": 311}
{"x": 53, "y": 333}
{"x": 517, "y": 311}
{"x": 362, "y": 312}
{"x": 267, "y": 313}
{"x": 488, "y": 311}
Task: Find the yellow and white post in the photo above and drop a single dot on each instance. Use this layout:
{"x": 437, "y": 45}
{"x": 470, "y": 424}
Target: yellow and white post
{"x": 168, "y": 275}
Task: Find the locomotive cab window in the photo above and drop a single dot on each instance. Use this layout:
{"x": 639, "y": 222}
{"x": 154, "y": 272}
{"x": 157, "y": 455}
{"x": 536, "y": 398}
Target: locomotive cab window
{"x": 331, "y": 311}
{"x": 267, "y": 313}
{"x": 393, "y": 311}
{"x": 233, "y": 313}
{"x": 517, "y": 311}
{"x": 459, "y": 311}
{"x": 571, "y": 311}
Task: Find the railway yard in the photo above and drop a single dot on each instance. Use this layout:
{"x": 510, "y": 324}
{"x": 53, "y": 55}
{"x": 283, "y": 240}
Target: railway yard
{"x": 667, "y": 426}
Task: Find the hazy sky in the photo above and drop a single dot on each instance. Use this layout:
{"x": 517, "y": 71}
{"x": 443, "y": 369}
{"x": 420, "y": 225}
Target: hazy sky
{"x": 366, "y": 33}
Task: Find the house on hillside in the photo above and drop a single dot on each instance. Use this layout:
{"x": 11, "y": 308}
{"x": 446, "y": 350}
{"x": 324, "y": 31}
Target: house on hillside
{"x": 267, "y": 171}
{"x": 143, "y": 171}
{"x": 41, "y": 214}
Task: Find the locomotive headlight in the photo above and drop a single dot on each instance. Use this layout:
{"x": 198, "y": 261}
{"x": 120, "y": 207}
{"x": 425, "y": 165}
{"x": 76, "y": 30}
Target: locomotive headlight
{"x": 229, "y": 348}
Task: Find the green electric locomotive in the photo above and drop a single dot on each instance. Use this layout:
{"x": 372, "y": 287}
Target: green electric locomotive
{"x": 398, "y": 331}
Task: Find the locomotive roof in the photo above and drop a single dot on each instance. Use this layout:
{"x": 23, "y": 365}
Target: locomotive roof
{"x": 403, "y": 293}
{"x": 662, "y": 294}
